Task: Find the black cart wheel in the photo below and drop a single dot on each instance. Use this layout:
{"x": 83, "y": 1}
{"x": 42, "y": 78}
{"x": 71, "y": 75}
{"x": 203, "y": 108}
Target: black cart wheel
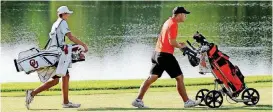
{"x": 252, "y": 95}
{"x": 201, "y": 96}
{"x": 214, "y": 99}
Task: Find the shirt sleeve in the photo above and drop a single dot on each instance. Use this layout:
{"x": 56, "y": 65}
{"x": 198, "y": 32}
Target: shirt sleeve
{"x": 173, "y": 31}
{"x": 64, "y": 28}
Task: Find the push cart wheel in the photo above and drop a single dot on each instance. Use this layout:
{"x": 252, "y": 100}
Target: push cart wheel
{"x": 214, "y": 99}
{"x": 201, "y": 96}
{"x": 252, "y": 95}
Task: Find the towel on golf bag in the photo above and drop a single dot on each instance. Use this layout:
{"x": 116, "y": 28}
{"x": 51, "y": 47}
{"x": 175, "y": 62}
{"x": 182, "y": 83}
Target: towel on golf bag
{"x": 204, "y": 66}
{"x": 49, "y": 62}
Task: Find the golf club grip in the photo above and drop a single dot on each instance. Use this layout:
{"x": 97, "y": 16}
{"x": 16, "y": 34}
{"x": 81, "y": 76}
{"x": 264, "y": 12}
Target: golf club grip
{"x": 190, "y": 45}
{"x": 192, "y": 53}
{"x": 188, "y": 51}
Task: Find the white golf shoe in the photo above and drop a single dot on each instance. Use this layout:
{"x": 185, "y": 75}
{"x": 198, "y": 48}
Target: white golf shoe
{"x": 29, "y": 98}
{"x": 71, "y": 105}
{"x": 191, "y": 103}
{"x": 138, "y": 103}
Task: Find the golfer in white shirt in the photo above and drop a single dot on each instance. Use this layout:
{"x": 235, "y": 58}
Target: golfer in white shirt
{"x": 60, "y": 27}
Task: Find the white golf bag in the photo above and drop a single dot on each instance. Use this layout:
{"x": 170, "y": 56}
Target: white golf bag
{"x": 54, "y": 60}
{"x": 51, "y": 62}
{"x": 34, "y": 59}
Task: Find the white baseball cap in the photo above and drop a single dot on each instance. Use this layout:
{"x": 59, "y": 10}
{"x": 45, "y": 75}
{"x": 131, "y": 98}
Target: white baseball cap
{"x": 63, "y": 9}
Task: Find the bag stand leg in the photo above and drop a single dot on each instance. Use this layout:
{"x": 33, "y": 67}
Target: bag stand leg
{"x": 16, "y": 65}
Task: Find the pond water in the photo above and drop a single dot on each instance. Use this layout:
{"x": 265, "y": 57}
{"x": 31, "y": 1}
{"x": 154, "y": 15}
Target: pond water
{"x": 121, "y": 35}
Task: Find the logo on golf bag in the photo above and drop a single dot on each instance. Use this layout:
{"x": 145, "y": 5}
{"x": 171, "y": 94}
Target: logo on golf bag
{"x": 33, "y": 63}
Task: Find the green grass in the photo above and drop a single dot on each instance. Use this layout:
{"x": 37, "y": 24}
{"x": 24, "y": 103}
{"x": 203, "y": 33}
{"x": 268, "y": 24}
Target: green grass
{"x": 122, "y": 84}
{"x": 158, "y": 101}
{"x": 111, "y": 86}
{"x": 117, "y": 96}
{"x": 165, "y": 99}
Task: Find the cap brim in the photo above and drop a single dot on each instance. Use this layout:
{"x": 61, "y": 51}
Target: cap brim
{"x": 187, "y": 12}
{"x": 70, "y": 12}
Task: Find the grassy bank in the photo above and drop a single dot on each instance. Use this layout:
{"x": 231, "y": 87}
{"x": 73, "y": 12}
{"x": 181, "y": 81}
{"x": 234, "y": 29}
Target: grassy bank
{"x": 111, "y": 86}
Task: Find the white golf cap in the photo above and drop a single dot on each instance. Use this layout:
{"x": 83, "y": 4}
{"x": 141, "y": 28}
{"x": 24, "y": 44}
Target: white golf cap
{"x": 63, "y": 9}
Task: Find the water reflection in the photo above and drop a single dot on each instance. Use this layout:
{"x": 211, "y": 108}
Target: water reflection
{"x": 121, "y": 35}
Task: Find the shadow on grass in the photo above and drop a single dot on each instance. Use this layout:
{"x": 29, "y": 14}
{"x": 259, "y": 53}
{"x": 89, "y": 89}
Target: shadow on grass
{"x": 257, "y": 107}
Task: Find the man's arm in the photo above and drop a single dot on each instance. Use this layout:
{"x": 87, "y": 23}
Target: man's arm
{"x": 172, "y": 37}
{"x": 174, "y": 43}
{"x": 76, "y": 41}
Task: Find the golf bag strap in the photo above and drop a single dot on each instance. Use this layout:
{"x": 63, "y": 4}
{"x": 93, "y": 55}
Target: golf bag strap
{"x": 47, "y": 61}
{"x": 58, "y": 44}
{"x": 47, "y": 43}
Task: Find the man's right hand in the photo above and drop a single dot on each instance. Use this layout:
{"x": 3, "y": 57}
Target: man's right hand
{"x": 76, "y": 41}
{"x": 182, "y": 45}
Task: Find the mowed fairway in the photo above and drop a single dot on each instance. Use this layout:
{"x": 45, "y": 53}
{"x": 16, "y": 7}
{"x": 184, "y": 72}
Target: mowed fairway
{"x": 160, "y": 99}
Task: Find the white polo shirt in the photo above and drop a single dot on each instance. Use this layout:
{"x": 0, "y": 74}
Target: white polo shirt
{"x": 62, "y": 29}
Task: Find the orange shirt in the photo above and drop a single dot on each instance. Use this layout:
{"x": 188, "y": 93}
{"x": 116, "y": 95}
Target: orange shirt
{"x": 169, "y": 30}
